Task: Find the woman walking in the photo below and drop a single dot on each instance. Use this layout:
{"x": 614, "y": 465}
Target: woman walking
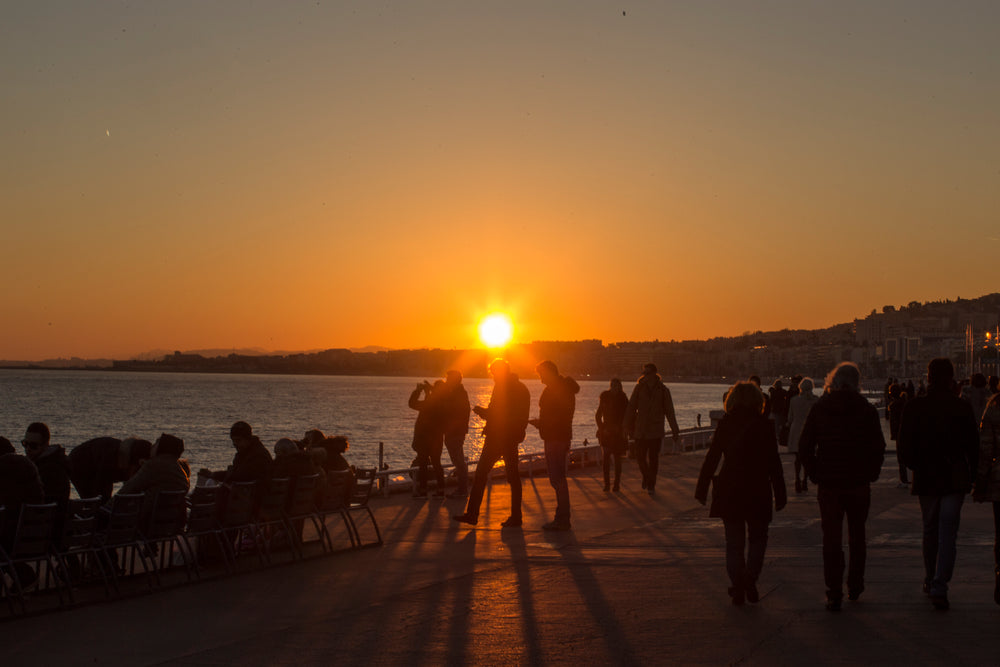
{"x": 798, "y": 410}
{"x": 743, "y": 492}
{"x": 610, "y": 419}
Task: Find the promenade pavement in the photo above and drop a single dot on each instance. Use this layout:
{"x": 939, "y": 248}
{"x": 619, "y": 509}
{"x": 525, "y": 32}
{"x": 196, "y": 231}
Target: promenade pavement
{"x": 638, "y": 581}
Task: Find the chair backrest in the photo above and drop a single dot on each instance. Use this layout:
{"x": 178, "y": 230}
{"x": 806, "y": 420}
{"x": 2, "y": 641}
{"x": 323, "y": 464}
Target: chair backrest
{"x": 123, "y": 519}
{"x": 80, "y": 524}
{"x": 364, "y": 482}
{"x": 203, "y": 510}
{"x": 302, "y": 497}
{"x": 339, "y": 488}
{"x": 167, "y": 516}
{"x": 204, "y": 495}
{"x": 33, "y": 536}
{"x": 272, "y": 503}
{"x": 239, "y": 504}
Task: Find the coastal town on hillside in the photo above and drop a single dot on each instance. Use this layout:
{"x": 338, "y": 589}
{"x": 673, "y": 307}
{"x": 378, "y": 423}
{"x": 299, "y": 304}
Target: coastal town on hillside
{"x": 896, "y": 342}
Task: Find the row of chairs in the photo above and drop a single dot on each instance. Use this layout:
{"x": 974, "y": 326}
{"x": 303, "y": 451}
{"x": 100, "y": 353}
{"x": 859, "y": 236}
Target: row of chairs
{"x": 106, "y": 543}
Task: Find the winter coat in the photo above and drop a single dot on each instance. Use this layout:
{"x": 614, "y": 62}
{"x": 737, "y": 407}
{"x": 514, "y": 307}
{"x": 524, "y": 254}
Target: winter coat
{"x": 556, "y": 406}
{"x": 648, "y": 406}
{"x": 610, "y": 418}
{"x": 159, "y": 473}
{"x": 455, "y": 408}
{"x": 428, "y": 430}
{"x": 250, "y": 465}
{"x": 94, "y": 467}
{"x": 842, "y": 445}
{"x": 798, "y": 409}
{"x": 939, "y": 442}
{"x": 751, "y": 476}
{"x": 507, "y": 414}
{"x": 988, "y": 472}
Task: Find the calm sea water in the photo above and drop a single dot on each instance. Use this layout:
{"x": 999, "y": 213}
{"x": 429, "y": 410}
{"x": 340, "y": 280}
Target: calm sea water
{"x": 79, "y": 405}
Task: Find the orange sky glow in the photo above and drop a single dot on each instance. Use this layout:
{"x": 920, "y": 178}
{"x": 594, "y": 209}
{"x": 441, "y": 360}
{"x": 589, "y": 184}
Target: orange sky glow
{"x": 300, "y": 176}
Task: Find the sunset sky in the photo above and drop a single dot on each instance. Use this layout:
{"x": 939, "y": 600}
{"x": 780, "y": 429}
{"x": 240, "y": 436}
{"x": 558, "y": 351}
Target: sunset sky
{"x": 307, "y": 175}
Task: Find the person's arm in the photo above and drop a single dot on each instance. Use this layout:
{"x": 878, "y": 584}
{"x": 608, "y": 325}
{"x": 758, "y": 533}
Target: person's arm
{"x": 668, "y": 409}
{"x": 709, "y": 466}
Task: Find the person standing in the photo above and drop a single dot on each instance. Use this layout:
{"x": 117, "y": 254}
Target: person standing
{"x": 842, "y": 448}
{"x": 97, "y": 464}
{"x": 506, "y": 422}
{"x": 939, "y": 442}
{"x": 648, "y": 407}
{"x": 610, "y": 418}
{"x": 428, "y": 435}
{"x": 987, "y": 488}
{"x": 556, "y": 406}
{"x": 456, "y": 409}
{"x": 750, "y": 479}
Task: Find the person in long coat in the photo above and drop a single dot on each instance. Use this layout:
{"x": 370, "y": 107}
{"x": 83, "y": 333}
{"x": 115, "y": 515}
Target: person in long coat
{"x": 798, "y": 409}
{"x": 747, "y": 487}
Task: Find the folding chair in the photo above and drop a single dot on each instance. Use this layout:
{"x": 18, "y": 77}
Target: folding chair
{"x": 162, "y": 532}
{"x": 364, "y": 482}
{"x": 76, "y": 551}
{"x": 30, "y": 551}
{"x": 269, "y": 521}
{"x": 302, "y": 506}
{"x": 120, "y": 538}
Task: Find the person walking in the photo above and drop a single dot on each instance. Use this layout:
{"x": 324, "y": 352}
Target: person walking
{"x": 987, "y": 488}
{"x": 842, "y": 448}
{"x": 648, "y": 406}
{"x": 939, "y": 441}
{"x": 456, "y": 410}
{"x": 750, "y": 480}
{"x": 506, "y": 422}
{"x": 610, "y": 418}
{"x": 556, "y": 406}
{"x": 798, "y": 409}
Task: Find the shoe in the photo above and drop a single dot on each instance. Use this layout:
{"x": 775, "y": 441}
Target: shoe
{"x": 466, "y": 518}
{"x": 511, "y": 522}
{"x": 940, "y": 602}
{"x": 854, "y": 595}
{"x": 556, "y": 525}
{"x": 651, "y": 491}
{"x": 736, "y": 593}
{"x": 457, "y": 494}
{"x": 750, "y": 588}
{"x": 833, "y": 604}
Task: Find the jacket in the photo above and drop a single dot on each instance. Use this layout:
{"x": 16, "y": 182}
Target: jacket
{"x": 456, "y": 409}
{"x": 987, "y": 471}
{"x": 507, "y": 414}
{"x": 610, "y": 418}
{"x": 159, "y": 473}
{"x": 751, "y": 475}
{"x": 648, "y": 406}
{"x": 938, "y": 437}
{"x": 556, "y": 406}
{"x": 798, "y": 409}
{"x": 842, "y": 445}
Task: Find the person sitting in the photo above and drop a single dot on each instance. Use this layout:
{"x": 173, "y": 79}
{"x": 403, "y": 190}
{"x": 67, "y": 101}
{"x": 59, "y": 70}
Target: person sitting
{"x": 291, "y": 462}
{"x": 161, "y": 472}
{"x": 19, "y": 485}
{"x": 52, "y": 465}
{"x": 336, "y": 465}
{"x": 252, "y": 462}
{"x": 312, "y": 437}
{"x": 6, "y": 447}
{"x": 97, "y": 464}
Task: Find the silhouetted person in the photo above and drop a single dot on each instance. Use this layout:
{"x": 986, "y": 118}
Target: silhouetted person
{"x": 610, "y": 418}
{"x": 939, "y": 442}
{"x": 799, "y": 408}
{"x": 977, "y": 393}
{"x": 987, "y": 487}
{"x": 842, "y": 449}
{"x": 252, "y": 462}
{"x": 648, "y": 407}
{"x": 743, "y": 492}
{"x": 894, "y": 409}
{"x": 6, "y": 447}
{"x": 428, "y": 435}
{"x": 779, "y": 411}
{"x": 556, "y": 406}
{"x": 96, "y": 465}
{"x": 161, "y": 471}
{"x": 19, "y": 485}
{"x": 506, "y": 422}
{"x": 456, "y": 410}
{"x": 52, "y": 465}
{"x": 312, "y": 437}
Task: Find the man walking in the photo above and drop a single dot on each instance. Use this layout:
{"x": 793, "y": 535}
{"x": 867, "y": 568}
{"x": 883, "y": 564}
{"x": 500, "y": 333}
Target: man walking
{"x": 506, "y": 422}
{"x": 842, "y": 448}
{"x": 555, "y": 427}
{"x": 939, "y": 441}
{"x": 648, "y": 407}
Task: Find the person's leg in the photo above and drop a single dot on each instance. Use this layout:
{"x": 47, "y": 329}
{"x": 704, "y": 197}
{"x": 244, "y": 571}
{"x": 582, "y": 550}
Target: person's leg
{"x": 489, "y": 457}
{"x": 856, "y": 505}
{"x": 831, "y": 515}
{"x": 456, "y": 452}
{"x": 606, "y": 451}
{"x": 510, "y": 462}
{"x": 435, "y": 457}
{"x": 654, "y": 462}
{"x": 948, "y": 520}
{"x": 735, "y": 561}
{"x": 618, "y": 471}
{"x": 798, "y": 473}
{"x": 422, "y": 461}
{"x": 930, "y": 510}
{"x": 555, "y": 463}
{"x": 641, "y": 454}
{"x": 756, "y": 548}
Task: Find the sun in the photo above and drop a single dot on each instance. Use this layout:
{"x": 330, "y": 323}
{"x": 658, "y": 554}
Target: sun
{"x": 496, "y": 330}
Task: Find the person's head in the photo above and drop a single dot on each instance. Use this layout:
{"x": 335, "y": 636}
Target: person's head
{"x": 806, "y": 385}
{"x": 499, "y": 369}
{"x": 993, "y": 382}
{"x": 755, "y": 379}
{"x": 547, "y": 372}
{"x": 285, "y": 447}
{"x": 36, "y": 440}
{"x": 744, "y": 398}
{"x": 616, "y": 385}
{"x": 313, "y": 436}
{"x": 978, "y": 380}
{"x": 453, "y": 377}
{"x": 940, "y": 373}
{"x": 6, "y": 447}
{"x": 241, "y": 434}
{"x": 649, "y": 369}
{"x": 777, "y": 384}
{"x": 337, "y": 443}
{"x": 845, "y": 376}
{"x": 168, "y": 445}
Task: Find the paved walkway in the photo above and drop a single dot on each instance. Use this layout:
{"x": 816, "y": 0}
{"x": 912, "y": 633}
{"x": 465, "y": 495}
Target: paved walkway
{"x": 639, "y": 581}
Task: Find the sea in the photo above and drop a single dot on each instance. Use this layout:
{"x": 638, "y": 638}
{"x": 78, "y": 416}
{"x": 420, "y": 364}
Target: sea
{"x": 200, "y": 408}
